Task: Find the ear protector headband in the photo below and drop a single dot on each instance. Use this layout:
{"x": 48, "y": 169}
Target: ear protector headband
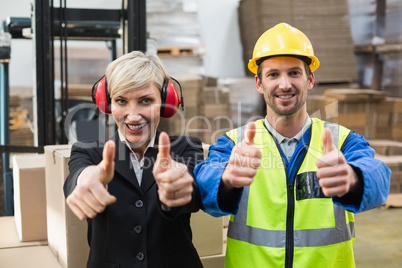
{"x": 170, "y": 97}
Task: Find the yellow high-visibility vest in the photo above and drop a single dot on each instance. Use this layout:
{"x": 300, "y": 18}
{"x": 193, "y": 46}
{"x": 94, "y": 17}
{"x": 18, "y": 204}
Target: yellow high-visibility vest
{"x": 284, "y": 220}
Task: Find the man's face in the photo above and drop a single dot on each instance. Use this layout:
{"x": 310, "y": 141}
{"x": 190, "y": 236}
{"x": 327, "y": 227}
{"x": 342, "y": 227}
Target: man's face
{"x": 284, "y": 84}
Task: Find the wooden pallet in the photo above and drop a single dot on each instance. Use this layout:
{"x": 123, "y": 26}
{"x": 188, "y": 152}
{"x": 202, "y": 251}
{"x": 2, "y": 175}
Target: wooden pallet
{"x": 175, "y": 51}
{"x": 355, "y": 94}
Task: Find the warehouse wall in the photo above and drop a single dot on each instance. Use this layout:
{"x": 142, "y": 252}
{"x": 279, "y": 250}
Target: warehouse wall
{"x": 218, "y": 29}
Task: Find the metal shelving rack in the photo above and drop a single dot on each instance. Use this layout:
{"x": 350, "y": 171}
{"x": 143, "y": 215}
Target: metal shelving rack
{"x": 47, "y": 24}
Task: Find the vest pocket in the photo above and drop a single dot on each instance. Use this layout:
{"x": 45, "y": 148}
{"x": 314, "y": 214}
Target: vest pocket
{"x": 307, "y": 186}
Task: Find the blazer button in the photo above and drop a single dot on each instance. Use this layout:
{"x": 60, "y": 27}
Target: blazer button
{"x": 140, "y": 256}
{"x": 139, "y": 203}
{"x": 138, "y": 229}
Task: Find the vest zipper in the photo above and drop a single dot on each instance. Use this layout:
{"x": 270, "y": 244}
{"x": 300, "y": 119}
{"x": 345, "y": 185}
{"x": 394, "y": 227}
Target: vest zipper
{"x": 290, "y": 226}
{"x": 290, "y": 214}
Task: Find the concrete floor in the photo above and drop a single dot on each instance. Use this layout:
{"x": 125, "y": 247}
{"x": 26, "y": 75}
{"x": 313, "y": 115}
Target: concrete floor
{"x": 379, "y": 238}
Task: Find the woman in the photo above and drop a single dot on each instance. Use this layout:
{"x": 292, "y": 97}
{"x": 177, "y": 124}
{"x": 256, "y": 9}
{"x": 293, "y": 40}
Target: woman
{"x": 137, "y": 202}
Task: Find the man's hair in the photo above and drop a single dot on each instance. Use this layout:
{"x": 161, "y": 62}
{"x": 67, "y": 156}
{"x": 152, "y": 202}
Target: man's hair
{"x": 135, "y": 70}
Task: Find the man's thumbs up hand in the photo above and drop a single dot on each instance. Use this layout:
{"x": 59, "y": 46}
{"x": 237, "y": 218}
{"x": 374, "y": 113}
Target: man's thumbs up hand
{"x": 250, "y": 134}
{"x": 328, "y": 141}
{"x": 90, "y": 196}
{"x": 175, "y": 184}
{"x": 336, "y": 176}
{"x": 243, "y": 162}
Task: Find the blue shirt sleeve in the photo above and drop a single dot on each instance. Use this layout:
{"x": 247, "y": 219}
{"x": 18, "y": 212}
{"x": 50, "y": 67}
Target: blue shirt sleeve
{"x": 374, "y": 173}
{"x": 209, "y": 173}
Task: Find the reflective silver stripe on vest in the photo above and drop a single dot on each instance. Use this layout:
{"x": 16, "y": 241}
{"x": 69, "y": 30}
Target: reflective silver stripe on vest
{"x": 239, "y": 230}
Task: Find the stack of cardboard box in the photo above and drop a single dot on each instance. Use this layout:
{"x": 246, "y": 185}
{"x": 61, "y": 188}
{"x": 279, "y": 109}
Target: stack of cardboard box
{"x": 367, "y": 112}
{"x": 206, "y": 113}
{"x": 246, "y": 103}
{"x": 215, "y": 111}
{"x": 390, "y": 152}
{"x": 17, "y": 253}
{"x": 326, "y": 25}
{"x": 23, "y": 240}
{"x": 66, "y": 234}
{"x": 186, "y": 122}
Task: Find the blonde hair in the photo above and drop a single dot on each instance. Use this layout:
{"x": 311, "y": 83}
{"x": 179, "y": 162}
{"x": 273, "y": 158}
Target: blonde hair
{"x": 135, "y": 70}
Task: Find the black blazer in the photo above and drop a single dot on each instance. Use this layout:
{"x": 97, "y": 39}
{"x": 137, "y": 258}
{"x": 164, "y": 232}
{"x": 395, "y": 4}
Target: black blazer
{"x": 135, "y": 231}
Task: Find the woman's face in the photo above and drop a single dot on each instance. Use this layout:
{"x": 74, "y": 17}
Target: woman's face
{"x": 137, "y": 115}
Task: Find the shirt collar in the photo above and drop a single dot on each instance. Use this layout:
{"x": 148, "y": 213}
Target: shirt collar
{"x": 125, "y": 141}
{"x": 279, "y": 138}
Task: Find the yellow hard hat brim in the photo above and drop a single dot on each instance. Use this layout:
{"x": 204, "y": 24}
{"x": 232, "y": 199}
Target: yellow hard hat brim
{"x": 253, "y": 67}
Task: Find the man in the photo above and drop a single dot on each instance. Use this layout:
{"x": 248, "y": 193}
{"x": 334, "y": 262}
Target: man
{"x": 292, "y": 182}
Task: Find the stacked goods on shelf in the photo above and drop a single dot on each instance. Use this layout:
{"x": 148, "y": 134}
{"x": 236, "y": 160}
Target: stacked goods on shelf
{"x": 327, "y": 27}
{"x": 173, "y": 23}
{"x": 185, "y": 122}
{"x": 392, "y": 72}
{"x": 246, "y": 103}
{"x": 214, "y": 106}
{"x": 20, "y": 132}
{"x": 392, "y": 52}
{"x": 367, "y": 21}
{"x": 174, "y": 33}
{"x": 393, "y": 21}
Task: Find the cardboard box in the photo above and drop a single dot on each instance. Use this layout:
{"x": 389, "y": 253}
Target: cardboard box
{"x": 213, "y": 261}
{"x": 30, "y": 196}
{"x": 207, "y": 233}
{"x": 33, "y": 257}
{"x": 9, "y": 235}
{"x": 67, "y": 235}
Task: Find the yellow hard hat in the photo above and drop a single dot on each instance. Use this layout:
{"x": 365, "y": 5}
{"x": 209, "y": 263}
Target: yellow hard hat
{"x": 283, "y": 39}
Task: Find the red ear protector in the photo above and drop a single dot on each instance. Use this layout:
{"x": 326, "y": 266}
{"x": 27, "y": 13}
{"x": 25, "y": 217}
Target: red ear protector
{"x": 170, "y": 97}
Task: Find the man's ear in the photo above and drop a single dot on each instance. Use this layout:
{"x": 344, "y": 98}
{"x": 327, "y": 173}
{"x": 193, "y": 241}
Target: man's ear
{"x": 311, "y": 81}
{"x": 258, "y": 84}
